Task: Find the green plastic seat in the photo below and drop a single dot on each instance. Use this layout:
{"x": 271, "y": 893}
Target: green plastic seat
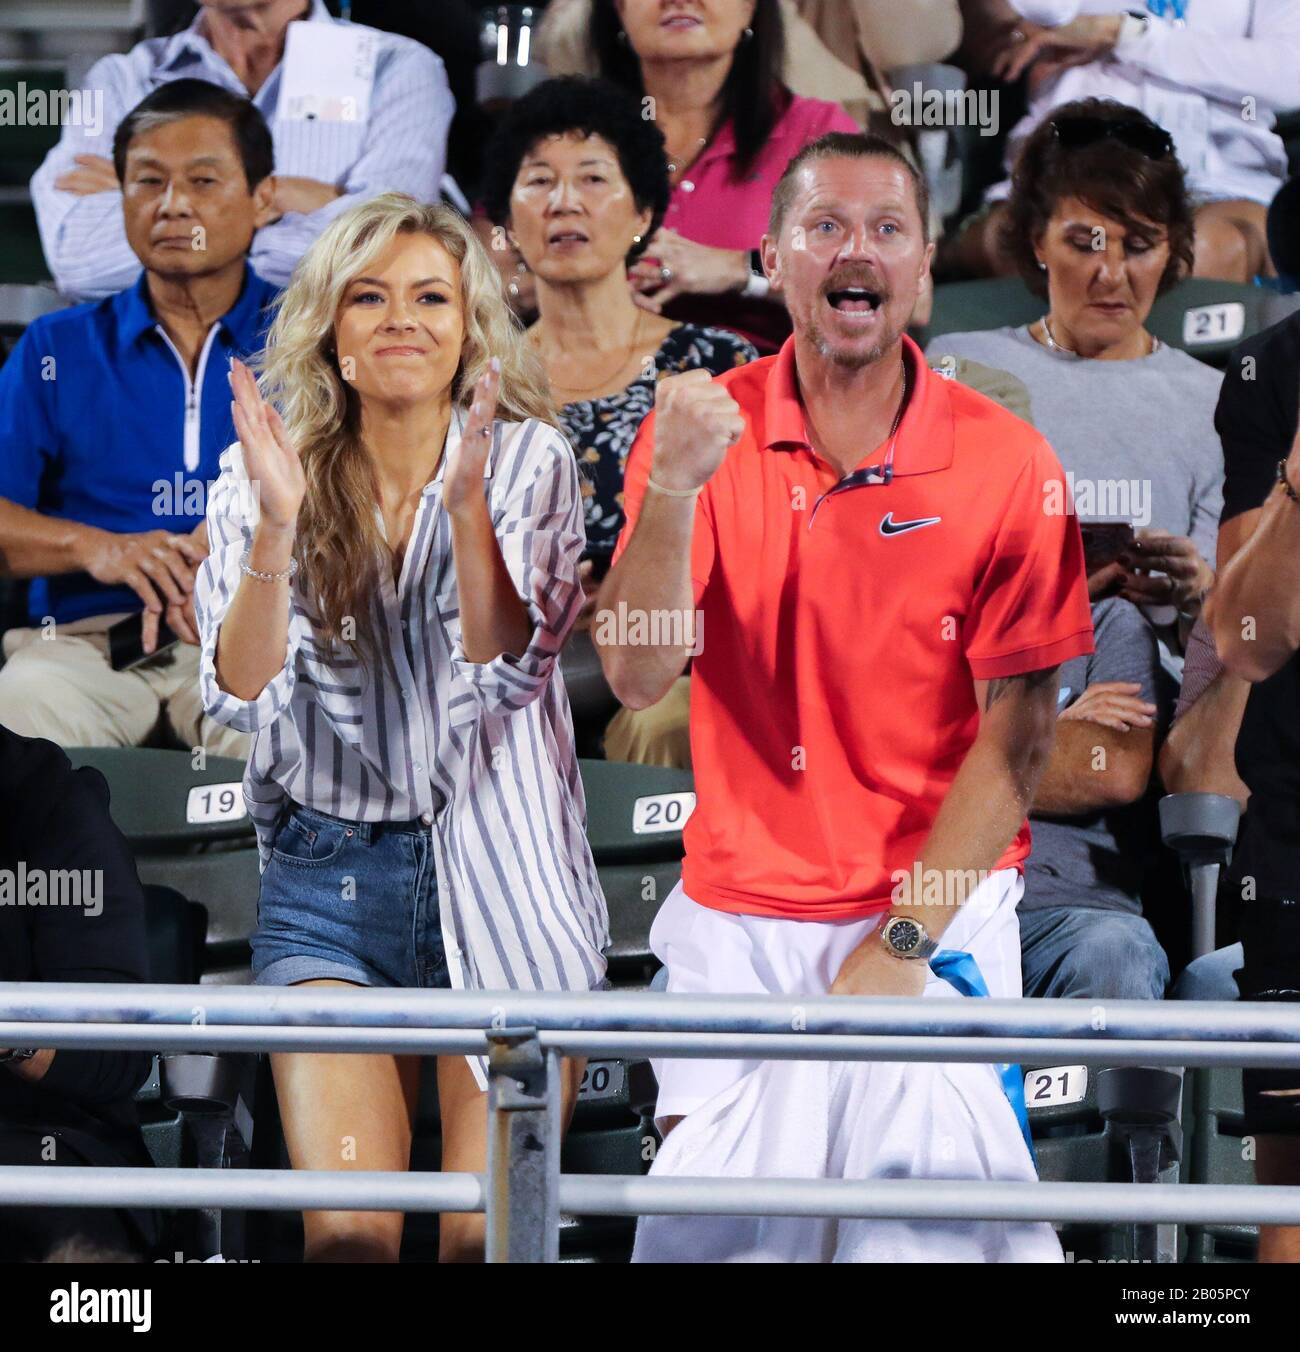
{"x": 1072, "y": 1146}
{"x": 990, "y": 303}
{"x": 1207, "y": 318}
{"x": 1217, "y": 1155}
{"x": 1203, "y": 317}
{"x": 635, "y": 812}
{"x": 633, "y": 894}
{"x": 24, "y": 143}
{"x": 225, "y": 883}
{"x": 155, "y": 795}
{"x": 22, "y": 259}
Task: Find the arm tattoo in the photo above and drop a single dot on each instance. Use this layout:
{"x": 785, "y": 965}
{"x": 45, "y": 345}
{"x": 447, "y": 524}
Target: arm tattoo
{"x": 1030, "y": 682}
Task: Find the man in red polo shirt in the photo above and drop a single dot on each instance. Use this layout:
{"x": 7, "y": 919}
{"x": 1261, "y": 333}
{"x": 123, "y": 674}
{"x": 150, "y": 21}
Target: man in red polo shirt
{"x": 886, "y": 586}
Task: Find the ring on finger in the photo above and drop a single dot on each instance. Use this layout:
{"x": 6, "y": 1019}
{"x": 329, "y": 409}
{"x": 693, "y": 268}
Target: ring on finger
{"x": 665, "y": 275}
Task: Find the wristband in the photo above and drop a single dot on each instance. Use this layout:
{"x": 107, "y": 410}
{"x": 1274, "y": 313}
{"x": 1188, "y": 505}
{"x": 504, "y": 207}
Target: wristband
{"x": 672, "y": 492}
{"x": 17, "y": 1054}
{"x": 248, "y": 570}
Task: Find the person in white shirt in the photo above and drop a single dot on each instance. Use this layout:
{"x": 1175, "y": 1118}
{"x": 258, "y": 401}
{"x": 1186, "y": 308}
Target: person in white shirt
{"x": 384, "y": 614}
{"x": 1213, "y": 73}
{"x": 353, "y": 112}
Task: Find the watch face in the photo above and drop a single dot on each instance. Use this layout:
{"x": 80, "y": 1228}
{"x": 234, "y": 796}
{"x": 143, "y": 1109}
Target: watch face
{"x": 904, "y": 936}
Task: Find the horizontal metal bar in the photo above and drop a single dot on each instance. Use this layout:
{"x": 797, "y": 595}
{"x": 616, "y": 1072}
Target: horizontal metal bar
{"x": 240, "y": 1189}
{"x": 930, "y": 1199}
{"x": 1035, "y": 1051}
{"x": 612, "y": 1195}
{"x": 1098, "y": 1022}
{"x": 167, "y": 1038}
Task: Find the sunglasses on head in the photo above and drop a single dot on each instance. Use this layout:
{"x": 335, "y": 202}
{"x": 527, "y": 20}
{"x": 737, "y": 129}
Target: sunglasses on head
{"x": 1147, "y": 139}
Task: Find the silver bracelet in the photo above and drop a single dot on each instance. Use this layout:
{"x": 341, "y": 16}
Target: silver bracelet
{"x": 249, "y": 571}
{"x": 671, "y": 492}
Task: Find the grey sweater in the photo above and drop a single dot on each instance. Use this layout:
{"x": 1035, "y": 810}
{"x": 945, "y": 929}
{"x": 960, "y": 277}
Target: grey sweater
{"x": 1136, "y": 438}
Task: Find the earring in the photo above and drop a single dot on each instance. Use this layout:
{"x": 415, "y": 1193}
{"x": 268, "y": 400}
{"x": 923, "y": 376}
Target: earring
{"x": 622, "y": 36}
{"x": 636, "y": 239}
{"x": 746, "y": 35}
{"x": 1042, "y": 267}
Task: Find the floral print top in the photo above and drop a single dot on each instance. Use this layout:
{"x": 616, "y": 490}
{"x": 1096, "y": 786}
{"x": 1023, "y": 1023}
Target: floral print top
{"x": 602, "y": 430}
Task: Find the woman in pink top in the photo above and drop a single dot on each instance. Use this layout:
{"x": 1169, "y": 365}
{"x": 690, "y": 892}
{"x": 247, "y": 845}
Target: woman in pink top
{"x": 709, "y": 72}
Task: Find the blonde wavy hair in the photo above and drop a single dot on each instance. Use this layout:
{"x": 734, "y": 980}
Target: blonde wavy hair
{"x": 339, "y": 544}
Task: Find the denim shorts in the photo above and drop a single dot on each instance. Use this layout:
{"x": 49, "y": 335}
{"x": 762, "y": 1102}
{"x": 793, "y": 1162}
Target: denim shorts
{"x": 354, "y": 901}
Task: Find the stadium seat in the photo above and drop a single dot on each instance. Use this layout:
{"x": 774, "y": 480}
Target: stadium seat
{"x": 591, "y": 701}
{"x": 22, "y": 260}
{"x": 189, "y": 830}
{"x": 636, "y": 812}
{"x": 175, "y": 928}
{"x": 19, "y": 305}
{"x": 1083, "y": 1120}
{"x": 1201, "y": 828}
{"x": 991, "y": 303}
{"x": 160, "y": 802}
{"x": 1205, "y": 318}
{"x": 635, "y": 815}
{"x": 25, "y": 142}
{"x": 225, "y": 882}
{"x": 634, "y": 893}
{"x": 1217, "y": 1153}
{"x": 1208, "y": 318}
{"x": 190, "y": 1111}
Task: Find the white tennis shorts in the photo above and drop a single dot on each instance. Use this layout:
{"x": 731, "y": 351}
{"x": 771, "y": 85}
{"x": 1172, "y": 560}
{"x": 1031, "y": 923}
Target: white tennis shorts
{"x": 821, "y": 1119}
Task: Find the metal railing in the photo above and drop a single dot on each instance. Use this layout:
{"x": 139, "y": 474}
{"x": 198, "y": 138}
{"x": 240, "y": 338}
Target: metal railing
{"x": 523, "y": 1035}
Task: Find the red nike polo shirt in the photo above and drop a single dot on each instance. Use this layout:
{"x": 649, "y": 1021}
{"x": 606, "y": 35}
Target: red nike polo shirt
{"x": 832, "y": 701}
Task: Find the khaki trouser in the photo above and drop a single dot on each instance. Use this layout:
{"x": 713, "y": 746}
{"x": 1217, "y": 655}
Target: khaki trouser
{"x": 659, "y": 735}
{"x": 62, "y": 688}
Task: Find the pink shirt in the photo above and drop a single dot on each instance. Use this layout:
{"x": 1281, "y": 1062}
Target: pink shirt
{"x": 708, "y": 207}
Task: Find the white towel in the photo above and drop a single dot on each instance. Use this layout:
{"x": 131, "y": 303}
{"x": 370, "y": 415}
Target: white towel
{"x": 822, "y": 1119}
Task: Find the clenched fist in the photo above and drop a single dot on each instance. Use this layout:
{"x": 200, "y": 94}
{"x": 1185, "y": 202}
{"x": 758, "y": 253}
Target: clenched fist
{"x": 696, "y": 421}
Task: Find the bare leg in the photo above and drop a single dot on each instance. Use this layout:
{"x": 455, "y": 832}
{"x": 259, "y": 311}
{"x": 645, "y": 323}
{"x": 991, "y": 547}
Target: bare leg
{"x": 462, "y": 1236}
{"x": 1232, "y": 241}
{"x": 1277, "y": 1161}
{"x": 343, "y": 1111}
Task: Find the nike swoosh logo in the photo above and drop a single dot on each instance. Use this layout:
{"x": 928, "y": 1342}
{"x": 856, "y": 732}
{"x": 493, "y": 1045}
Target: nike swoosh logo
{"x": 888, "y": 526}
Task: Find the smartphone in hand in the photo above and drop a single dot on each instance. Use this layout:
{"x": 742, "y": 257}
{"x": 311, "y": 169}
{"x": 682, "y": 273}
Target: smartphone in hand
{"x": 126, "y": 642}
{"x": 1105, "y": 542}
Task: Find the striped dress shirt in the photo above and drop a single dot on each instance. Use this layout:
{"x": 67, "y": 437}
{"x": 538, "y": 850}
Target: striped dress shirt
{"x": 483, "y": 753}
{"x": 400, "y": 146}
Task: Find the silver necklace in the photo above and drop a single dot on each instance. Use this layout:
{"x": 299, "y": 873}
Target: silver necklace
{"x": 1052, "y": 343}
{"x": 1060, "y": 347}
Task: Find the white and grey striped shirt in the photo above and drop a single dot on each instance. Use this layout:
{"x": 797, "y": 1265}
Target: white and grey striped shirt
{"x": 400, "y": 146}
{"x": 482, "y": 752}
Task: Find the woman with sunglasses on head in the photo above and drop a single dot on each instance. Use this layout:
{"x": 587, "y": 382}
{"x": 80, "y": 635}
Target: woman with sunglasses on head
{"x": 1215, "y": 73}
{"x": 394, "y": 570}
{"x": 1100, "y": 224}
